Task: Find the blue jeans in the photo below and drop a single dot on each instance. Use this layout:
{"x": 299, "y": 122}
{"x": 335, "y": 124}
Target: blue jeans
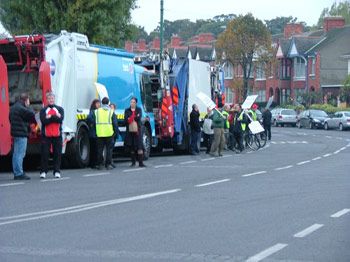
{"x": 195, "y": 141}
{"x": 19, "y": 152}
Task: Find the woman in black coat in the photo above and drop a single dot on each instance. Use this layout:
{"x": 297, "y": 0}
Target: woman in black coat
{"x": 133, "y": 137}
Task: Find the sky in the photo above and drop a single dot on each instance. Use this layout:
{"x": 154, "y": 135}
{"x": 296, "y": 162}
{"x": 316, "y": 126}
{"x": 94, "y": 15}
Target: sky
{"x": 148, "y": 13}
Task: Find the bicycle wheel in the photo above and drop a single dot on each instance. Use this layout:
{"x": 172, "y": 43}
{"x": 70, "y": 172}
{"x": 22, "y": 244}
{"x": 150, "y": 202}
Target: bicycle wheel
{"x": 253, "y": 141}
{"x": 263, "y": 139}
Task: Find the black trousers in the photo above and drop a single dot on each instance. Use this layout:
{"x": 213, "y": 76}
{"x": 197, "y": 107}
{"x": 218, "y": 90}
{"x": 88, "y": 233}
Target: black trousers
{"x": 238, "y": 140}
{"x": 103, "y": 142}
{"x": 207, "y": 139}
{"x": 46, "y": 143}
{"x": 268, "y": 131}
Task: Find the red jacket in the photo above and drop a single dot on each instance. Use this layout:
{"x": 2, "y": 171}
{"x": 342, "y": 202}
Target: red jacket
{"x": 51, "y": 127}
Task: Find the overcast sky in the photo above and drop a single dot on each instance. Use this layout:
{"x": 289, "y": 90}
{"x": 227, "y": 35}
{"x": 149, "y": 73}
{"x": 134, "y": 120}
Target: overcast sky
{"x": 148, "y": 13}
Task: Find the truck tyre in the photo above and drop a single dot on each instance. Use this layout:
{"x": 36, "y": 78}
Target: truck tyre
{"x": 147, "y": 143}
{"x": 78, "y": 150}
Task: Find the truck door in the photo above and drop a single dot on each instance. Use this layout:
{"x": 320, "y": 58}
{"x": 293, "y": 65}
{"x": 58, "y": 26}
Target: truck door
{"x": 5, "y": 133}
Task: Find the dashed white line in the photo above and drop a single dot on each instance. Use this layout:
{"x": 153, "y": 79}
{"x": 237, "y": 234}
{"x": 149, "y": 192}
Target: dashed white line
{"x": 12, "y": 184}
{"x": 341, "y": 213}
{"x": 283, "y": 167}
{"x": 55, "y": 179}
{"x": 273, "y": 142}
{"x": 303, "y": 162}
{"x": 254, "y": 174}
{"x": 226, "y": 156}
{"x": 316, "y": 158}
{"x": 133, "y": 169}
{"x": 160, "y": 166}
{"x": 213, "y": 182}
{"x": 308, "y": 230}
{"x": 343, "y": 148}
{"x": 327, "y": 155}
{"x": 267, "y": 252}
{"x": 96, "y": 174}
{"x": 336, "y": 152}
{"x": 188, "y": 162}
{"x": 208, "y": 159}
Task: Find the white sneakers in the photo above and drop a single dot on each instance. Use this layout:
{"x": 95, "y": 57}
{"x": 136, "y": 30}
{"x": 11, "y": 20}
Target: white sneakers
{"x": 56, "y": 175}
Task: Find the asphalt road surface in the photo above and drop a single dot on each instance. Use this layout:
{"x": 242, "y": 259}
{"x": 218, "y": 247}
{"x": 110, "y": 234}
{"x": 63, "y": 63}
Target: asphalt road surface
{"x": 289, "y": 201}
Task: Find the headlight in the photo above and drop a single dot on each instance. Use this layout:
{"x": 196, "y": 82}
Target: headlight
{"x": 317, "y": 121}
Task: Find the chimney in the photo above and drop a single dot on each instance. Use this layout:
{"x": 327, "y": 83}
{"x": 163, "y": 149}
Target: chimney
{"x": 156, "y": 43}
{"x": 129, "y": 46}
{"x": 333, "y": 22}
{"x": 141, "y": 45}
{"x": 293, "y": 29}
{"x": 205, "y": 38}
{"x": 175, "y": 41}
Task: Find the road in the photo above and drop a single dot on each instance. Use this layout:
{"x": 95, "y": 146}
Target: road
{"x": 286, "y": 202}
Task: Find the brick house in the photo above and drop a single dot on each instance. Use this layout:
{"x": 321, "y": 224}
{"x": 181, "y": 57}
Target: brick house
{"x": 305, "y": 62}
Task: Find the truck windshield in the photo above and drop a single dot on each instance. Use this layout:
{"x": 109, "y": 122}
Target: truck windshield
{"x": 146, "y": 92}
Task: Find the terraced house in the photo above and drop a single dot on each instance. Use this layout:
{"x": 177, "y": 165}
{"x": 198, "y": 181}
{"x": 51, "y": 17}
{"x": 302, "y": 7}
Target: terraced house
{"x": 313, "y": 62}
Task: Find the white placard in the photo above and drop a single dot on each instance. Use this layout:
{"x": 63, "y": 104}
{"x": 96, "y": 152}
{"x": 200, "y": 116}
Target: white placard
{"x": 101, "y": 90}
{"x": 269, "y": 102}
{"x": 255, "y": 127}
{"x": 206, "y": 100}
{"x": 249, "y": 101}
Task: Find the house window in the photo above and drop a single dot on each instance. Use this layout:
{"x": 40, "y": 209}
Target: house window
{"x": 261, "y": 96}
{"x": 299, "y": 67}
{"x": 228, "y": 70}
{"x": 229, "y": 95}
{"x": 260, "y": 71}
{"x": 313, "y": 66}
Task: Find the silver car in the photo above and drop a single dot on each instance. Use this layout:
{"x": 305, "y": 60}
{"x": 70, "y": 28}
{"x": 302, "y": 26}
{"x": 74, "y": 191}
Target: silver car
{"x": 283, "y": 116}
{"x": 339, "y": 120}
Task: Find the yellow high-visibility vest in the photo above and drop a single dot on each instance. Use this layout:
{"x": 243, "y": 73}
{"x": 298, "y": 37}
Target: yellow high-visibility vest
{"x": 243, "y": 125}
{"x": 227, "y": 123}
{"x": 104, "y": 126}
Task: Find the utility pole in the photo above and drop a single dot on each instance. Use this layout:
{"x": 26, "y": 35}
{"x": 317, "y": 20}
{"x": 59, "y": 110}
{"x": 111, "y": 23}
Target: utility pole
{"x": 161, "y": 27}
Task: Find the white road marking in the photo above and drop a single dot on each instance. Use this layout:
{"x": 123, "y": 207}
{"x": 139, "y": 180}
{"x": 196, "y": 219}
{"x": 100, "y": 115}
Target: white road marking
{"x": 255, "y": 173}
{"x": 316, "y": 158}
{"x": 267, "y": 252}
{"x": 55, "y": 179}
{"x": 213, "y": 182}
{"x": 282, "y": 142}
{"x": 343, "y": 148}
{"x": 327, "y": 155}
{"x": 80, "y": 208}
{"x": 304, "y": 142}
{"x": 188, "y": 162}
{"x": 226, "y": 156}
{"x": 282, "y": 168}
{"x": 336, "y": 152}
{"x": 96, "y": 174}
{"x": 341, "y": 213}
{"x": 160, "y": 166}
{"x": 303, "y": 162}
{"x": 208, "y": 159}
{"x": 12, "y": 184}
{"x": 133, "y": 169}
{"x": 273, "y": 142}
{"x": 308, "y": 230}
{"x": 328, "y": 136}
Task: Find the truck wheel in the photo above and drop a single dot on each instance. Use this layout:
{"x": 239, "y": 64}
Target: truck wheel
{"x": 147, "y": 142}
{"x": 78, "y": 150}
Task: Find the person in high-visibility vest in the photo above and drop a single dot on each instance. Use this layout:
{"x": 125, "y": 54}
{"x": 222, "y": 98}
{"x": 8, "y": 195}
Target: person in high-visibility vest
{"x": 226, "y": 113}
{"x": 105, "y": 125}
{"x": 238, "y": 127}
{"x": 252, "y": 112}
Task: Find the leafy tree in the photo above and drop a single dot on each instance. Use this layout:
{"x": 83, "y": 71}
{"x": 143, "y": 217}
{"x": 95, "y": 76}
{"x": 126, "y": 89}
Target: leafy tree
{"x": 345, "y": 91}
{"x": 337, "y": 9}
{"x": 276, "y": 25}
{"x": 103, "y": 21}
{"x": 245, "y": 38}
{"x": 138, "y": 32}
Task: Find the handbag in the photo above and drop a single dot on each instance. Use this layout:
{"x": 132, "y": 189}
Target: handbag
{"x": 133, "y": 128}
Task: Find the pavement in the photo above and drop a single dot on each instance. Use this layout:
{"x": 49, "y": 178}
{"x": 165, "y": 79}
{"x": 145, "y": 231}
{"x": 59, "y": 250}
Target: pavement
{"x": 286, "y": 202}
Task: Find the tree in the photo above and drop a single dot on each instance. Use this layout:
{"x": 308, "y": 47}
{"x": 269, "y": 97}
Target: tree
{"x": 245, "y": 38}
{"x": 276, "y": 25}
{"x": 337, "y": 9}
{"x": 345, "y": 91}
{"x": 103, "y": 21}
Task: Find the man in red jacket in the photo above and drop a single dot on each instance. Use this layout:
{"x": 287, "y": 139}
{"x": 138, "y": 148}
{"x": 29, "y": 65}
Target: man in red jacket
{"x": 51, "y": 118}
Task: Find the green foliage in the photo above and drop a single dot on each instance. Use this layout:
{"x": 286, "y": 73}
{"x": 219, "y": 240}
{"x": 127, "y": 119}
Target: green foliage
{"x": 245, "y": 38}
{"x": 103, "y": 21}
{"x": 309, "y": 98}
{"x": 337, "y": 9}
{"x": 345, "y": 91}
{"x": 276, "y": 25}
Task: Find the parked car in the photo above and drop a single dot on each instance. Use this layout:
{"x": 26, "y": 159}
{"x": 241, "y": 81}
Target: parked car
{"x": 283, "y": 116}
{"x": 312, "y": 119}
{"x": 339, "y": 120}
